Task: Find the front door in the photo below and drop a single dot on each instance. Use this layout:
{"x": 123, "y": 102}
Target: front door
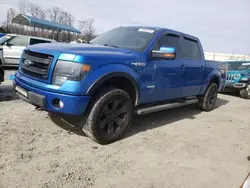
{"x": 13, "y": 51}
{"x": 169, "y": 74}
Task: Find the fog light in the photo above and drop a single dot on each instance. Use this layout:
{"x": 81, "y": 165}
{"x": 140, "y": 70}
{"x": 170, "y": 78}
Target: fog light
{"x": 57, "y": 103}
{"x": 61, "y": 104}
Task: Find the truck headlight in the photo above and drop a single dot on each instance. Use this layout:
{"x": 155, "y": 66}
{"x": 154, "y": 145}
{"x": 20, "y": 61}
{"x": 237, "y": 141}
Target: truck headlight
{"x": 67, "y": 70}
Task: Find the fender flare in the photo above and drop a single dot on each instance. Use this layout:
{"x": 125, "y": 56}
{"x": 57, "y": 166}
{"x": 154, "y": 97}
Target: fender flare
{"x": 216, "y": 76}
{"x": 212, "y": 76}
{"x": 108, "y": 76}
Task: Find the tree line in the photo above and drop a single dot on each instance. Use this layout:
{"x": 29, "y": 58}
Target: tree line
{"x": 55, "y": 14}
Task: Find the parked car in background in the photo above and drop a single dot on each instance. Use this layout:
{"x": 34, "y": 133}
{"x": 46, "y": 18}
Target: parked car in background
{"x": 12, "y": 46}
{"x": 238, "y": 78}
{"x": 78, "y": 41}
{"x": 124, "y": 71}
{"x": 2, "y": 34}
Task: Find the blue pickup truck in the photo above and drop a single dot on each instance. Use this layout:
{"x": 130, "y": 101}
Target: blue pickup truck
{"x": 125, "y": 71}
{"x": 238, "y": 78}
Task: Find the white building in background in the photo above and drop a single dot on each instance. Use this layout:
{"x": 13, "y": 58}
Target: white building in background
{"x": 225, "y": 57}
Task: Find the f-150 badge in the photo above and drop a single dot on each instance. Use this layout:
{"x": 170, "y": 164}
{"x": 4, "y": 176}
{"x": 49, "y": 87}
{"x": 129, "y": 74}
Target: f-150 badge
{"x": 139, "y": 64}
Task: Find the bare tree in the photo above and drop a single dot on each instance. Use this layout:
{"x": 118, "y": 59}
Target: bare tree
{"x": 87, "y": 28}
{"x": 36, "y": 11}
{"x": 54, "y": 14}
{"x": 42, "y": 14}
{"x": 23, "y": 6}
{"x": 66, "y": 18}
{"x": 70, "y": 19}
{"x": 11, "y": 13}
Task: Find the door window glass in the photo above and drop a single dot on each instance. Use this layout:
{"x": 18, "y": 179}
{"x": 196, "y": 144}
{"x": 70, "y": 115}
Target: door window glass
{"x": 37, "y": 41}
{"x": 169, "y": 40}
{"x": 20, "y": 40}
{"x": 190, "y": 49}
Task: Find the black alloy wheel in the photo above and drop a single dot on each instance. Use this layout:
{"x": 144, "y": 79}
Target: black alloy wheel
{"x": 109, "y": 116}
{"x": 212, "y": 96}
{"x": 208, "y": 99}
{"x": 113, "y": 116}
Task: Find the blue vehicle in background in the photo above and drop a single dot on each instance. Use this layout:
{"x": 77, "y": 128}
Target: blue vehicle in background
{"x": 125, "y": 71}
{"x": 238, "y": 78}
{"x": 2, "y": 34}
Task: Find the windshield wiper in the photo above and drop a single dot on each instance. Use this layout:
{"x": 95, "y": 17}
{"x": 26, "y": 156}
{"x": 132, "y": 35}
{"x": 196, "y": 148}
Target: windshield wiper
{"x": 111, "y": 45}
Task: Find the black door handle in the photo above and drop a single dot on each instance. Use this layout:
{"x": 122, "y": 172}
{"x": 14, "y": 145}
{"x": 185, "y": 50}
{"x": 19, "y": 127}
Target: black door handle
{"x": 202, "y": 67}
{"x": 182, "y": 67}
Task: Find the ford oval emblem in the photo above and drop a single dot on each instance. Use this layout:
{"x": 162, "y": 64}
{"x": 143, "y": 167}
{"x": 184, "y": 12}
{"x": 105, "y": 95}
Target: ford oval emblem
{"x": 27, "y": 62}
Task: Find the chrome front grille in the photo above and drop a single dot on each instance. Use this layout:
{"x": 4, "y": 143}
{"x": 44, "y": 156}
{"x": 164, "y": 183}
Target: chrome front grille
{"x": 36, "y": 64}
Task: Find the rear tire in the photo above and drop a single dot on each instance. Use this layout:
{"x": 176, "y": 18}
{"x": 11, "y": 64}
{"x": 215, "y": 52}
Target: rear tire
{"x": 245, "y": 93}
{"x": 109, "y": 116}
{"x": 208, "y": 100}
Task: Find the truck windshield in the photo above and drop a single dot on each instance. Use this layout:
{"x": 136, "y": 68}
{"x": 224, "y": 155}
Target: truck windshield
{"x": 239, "y": 65}
{"x": 126, "y": 37}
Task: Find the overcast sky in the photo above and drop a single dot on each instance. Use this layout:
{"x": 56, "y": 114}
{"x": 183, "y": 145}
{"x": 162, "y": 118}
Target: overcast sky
{"x": 222, "y": 25}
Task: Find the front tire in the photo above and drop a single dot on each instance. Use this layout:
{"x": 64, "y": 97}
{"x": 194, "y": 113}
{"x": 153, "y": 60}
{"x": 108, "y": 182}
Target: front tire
{"x": 245, "y": 93}
{"x": 109, "y": 116}
{"x": 208, "y": 100}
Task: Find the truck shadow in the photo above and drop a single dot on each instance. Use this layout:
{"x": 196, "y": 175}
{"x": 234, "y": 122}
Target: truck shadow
{"x": 72, "y": 126}
{"x": 232, "y": 94}
{"x": 163, "y": 118}
{"x": 144, "y": 122}
{"x": 7, "y": 93}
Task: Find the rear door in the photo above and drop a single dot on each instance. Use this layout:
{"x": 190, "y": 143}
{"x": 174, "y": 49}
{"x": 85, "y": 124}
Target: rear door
{"x": 12, "y": 53}
{"x": 194, "y": 63}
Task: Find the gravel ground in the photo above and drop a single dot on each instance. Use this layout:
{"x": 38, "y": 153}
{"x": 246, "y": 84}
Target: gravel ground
{"x": 180, "y": 147}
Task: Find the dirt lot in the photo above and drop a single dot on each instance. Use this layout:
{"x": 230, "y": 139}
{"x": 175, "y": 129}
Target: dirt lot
{"x": 175, "y": 148}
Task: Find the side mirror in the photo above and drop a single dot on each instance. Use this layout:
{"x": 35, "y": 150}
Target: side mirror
{"x": 8, "y": 44}
{"x": 164, "y": 53}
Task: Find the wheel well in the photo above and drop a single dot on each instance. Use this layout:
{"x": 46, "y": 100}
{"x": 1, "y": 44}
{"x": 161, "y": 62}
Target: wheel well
{"x": 121, "y": 83}
{"x": 215, "y": 80}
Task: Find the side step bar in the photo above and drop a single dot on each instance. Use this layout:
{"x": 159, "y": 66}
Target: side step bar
{"x": 165, "y": 106}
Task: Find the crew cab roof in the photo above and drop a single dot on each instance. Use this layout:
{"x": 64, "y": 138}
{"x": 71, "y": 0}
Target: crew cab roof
{"x": 165, "y": 29}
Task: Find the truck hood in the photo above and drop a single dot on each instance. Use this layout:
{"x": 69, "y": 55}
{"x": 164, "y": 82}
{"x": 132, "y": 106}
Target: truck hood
{"x": 97, "y": 55}
{"x": 78, "y": 49}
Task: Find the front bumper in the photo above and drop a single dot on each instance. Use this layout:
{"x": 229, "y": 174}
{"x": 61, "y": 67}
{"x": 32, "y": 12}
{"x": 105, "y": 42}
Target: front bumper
{"x": 236, "y": 85}
{"x": 72, "y": 104}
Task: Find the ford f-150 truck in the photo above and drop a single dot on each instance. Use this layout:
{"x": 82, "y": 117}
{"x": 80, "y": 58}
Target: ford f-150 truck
{"x": 238, "y": 78}
{"x": 125, "y": 71}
